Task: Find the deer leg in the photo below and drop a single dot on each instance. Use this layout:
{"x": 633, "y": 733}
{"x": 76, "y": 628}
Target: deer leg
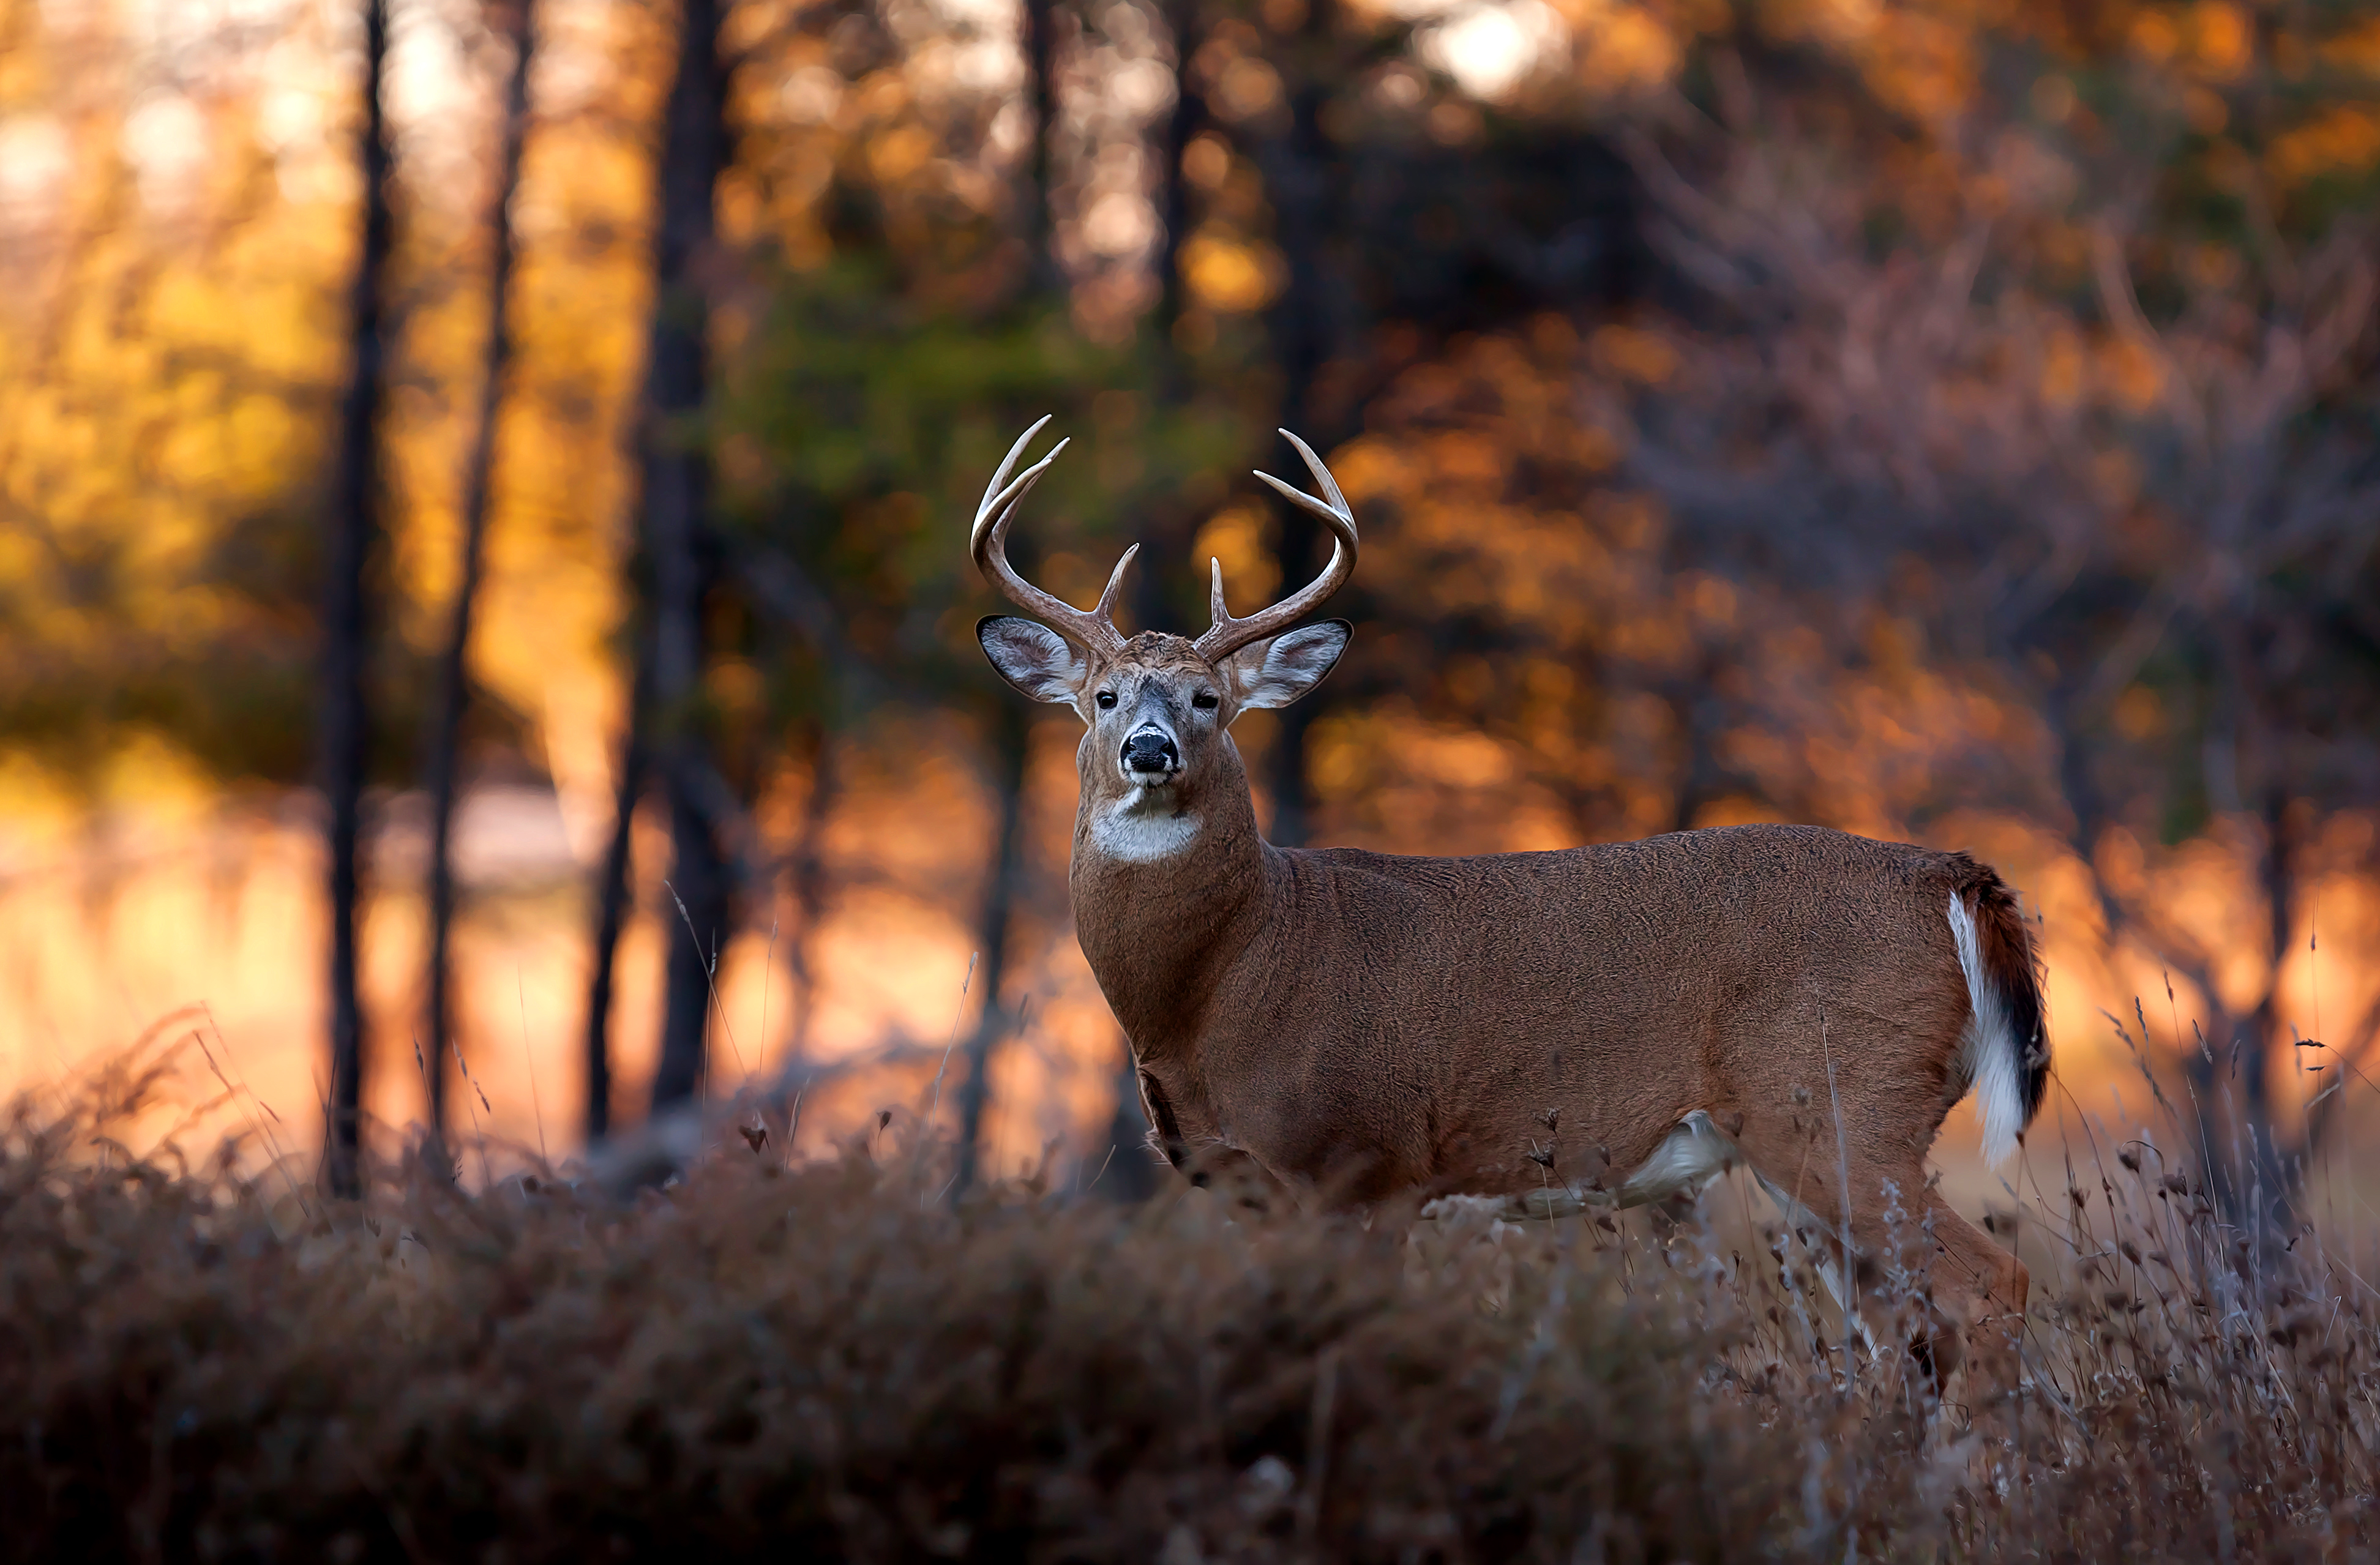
{"x": 1959, "y": 1297}
{"x": 1822, "y": 1237}
{"x": 1915, "y": 1274}
{"x": 1209, "y": 1163}
{"x": 1237, "y": 1179}
{"x": 1981, "y": 1289}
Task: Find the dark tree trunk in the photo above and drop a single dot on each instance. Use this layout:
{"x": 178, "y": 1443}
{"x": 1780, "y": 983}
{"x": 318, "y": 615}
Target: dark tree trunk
{"x": 1701, "y": 716}
{"x": 2267, "y": 1039}
{"x": 454, "y": 689}
{"x": 1130, "y": 1168}
{"x": 1041, "y": 101}
{"x": 1011, "y": 740}
{"x": 1182, "y": 127}
{"x": 698, "y": 903}
{"x": 1297, "y": 169}
{"x": 345, "y": 715}
{"x": 2211, "y": 1063}
{"x": 2251, "y": 1173}
{"x": 1166, "y": 583}
{"x": 675, "y": 495}
{"x": 1167, "y": 577}
{"x": 611, "y": 912}
{"x": 1011, "y": 729}
{"x": 2252, "y": 1177}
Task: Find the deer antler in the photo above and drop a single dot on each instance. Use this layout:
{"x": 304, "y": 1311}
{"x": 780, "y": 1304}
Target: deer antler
{"x": 1093, "y": 631}
{"x": 1227, "y": 634}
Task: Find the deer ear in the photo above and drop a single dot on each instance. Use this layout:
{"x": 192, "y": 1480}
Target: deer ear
{"x": 1275, "y": 673}
{"x": 1034, "y": 658}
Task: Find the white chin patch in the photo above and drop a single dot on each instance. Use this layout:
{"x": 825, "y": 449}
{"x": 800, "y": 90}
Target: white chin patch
{"x": 1144, "y": 827}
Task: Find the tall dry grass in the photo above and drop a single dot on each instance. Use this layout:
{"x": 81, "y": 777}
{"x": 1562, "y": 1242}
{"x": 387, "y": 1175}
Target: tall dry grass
{"x": 834, "y": 1361}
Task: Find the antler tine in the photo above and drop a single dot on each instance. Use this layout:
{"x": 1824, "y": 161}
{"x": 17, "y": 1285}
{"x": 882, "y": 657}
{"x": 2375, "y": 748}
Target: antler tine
{"x": 1106, "y": 611}
{"x": 988, "y": 543}
{"x": 1338, "y": 509}
{"x": 1227, "y": 634}
{"x": 995, "y": 495}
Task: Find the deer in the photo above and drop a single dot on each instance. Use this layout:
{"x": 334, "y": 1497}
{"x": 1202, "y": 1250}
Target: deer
{"x": 1608, "y": 1025}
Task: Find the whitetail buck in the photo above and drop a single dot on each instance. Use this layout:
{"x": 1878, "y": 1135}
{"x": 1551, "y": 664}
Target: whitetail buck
{"x": 1615, "y": 1024}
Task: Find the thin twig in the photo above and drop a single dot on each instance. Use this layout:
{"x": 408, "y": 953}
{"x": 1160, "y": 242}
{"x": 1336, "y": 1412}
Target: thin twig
{"x": 710, "y": 977}
{"x": 486, "y": 1176}
{"x": 965, "y": 983}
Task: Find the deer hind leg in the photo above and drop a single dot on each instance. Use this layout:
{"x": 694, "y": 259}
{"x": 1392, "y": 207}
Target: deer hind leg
{"x": 1963, "y": 1294}
{"x": 1918, "y": 1274}
{"x": 1980, "y": 1288}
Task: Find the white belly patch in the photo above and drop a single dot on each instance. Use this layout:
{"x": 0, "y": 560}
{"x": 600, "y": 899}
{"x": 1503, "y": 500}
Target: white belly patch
{"x": 1694, "y": 1153}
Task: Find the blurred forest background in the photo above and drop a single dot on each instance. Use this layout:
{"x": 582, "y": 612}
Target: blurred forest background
{"x": 482, "y": 486}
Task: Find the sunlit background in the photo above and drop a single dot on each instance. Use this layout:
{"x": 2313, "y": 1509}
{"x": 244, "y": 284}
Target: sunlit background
{"x": 1951, "y": 421}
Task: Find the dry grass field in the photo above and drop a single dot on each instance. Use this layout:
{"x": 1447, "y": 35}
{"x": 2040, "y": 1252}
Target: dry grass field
{"x": 834, "y": 1360}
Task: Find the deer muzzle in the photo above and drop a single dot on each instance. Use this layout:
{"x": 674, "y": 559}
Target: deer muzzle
{"x": 1150, "y": 754}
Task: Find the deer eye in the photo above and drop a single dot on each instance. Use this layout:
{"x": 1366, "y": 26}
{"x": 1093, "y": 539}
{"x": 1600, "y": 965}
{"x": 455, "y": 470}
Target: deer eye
{"x": 1204, "y": 700}
{"x": 1107, "y": 699}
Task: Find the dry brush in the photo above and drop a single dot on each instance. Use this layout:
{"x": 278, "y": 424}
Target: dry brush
{"x": 826, "y": 1359}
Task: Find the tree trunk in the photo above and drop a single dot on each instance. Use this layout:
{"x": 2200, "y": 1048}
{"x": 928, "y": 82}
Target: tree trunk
{"x": 677, "y": 493}
{"x": 699, "y": 908}
{"x": 2253, "y": 1182}
{"x": 1122, "y": 1170}
{"x": 1182, "y": 127}
{"x": 1130, "y": 1170}
{"x": 1167, "y": 582}
{"x": 345, "y": 715}
{"x": 2252, "y": 1172}
{"x": 610, "y": 910}
{"x": 2268, "y": 1039}
{"x": 1011, "y": 729}
{"x": 2211, "y": 1067}
{"x": 454, "y": 689}
{"x": 1041, "y": 276}
{"x": 1297, "y": 169}
{"x": 1012, "y": 738}
{"x": 1698, "y": 709}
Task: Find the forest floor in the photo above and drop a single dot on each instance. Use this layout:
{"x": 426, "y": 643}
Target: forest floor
{"x": 838, "y": 1359}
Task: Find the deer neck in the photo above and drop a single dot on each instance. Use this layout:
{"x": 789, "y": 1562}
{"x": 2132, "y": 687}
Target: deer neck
{"x": 1167, "y": 891}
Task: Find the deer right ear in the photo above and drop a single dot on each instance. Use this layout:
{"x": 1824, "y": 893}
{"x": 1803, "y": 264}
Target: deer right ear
{"x": 1037, "y": 660}
{"x": 1275, "y": 673}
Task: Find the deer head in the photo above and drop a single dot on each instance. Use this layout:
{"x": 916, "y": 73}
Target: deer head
{"x": 1157, "y": 708}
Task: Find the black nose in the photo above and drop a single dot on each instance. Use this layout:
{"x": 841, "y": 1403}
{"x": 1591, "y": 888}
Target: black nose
{"x": 1150, "y": 751}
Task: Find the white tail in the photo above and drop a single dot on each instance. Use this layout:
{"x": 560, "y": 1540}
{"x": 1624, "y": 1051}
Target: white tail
{"x": 1991, "y": 1053}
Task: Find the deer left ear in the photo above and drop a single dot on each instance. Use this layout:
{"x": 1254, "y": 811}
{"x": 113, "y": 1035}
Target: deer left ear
{"x": 1275, "y": 673}
{"x": 1037, "y": 660}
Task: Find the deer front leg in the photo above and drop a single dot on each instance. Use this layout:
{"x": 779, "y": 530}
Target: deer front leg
{"x": 1208, "y": 1161}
